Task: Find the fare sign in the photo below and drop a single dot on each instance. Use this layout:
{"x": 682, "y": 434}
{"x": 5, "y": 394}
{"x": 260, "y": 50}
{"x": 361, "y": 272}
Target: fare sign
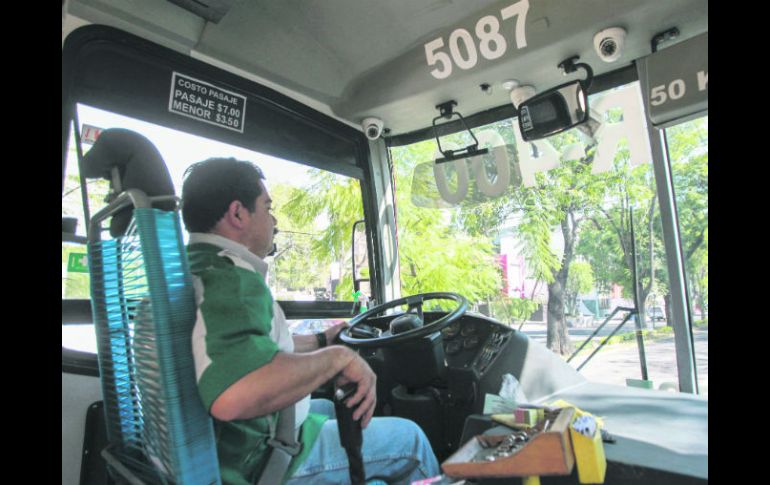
{"x": 205, "y": 102}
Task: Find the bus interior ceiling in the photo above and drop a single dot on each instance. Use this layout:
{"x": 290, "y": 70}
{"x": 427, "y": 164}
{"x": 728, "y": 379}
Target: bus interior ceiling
{"x": 354, "y": 60}
{"x": 395, "y": 61}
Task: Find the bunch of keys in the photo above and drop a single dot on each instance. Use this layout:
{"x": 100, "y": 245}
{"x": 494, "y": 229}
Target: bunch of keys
{"x": 507, "y": 447}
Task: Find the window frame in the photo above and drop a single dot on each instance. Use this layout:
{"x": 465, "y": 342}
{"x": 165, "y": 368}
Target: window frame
{"x": 303, "y": 135}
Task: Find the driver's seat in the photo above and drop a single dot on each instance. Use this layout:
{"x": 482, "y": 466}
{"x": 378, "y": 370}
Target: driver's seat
{"x": 144, "y": 311}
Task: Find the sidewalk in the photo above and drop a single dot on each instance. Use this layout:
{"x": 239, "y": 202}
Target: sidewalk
{"x": 614, "y": 363}
{"x": 578, "y": 335}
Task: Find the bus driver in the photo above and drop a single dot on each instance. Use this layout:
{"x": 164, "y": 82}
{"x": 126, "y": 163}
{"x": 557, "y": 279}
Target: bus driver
{"x": 249, "y": 367}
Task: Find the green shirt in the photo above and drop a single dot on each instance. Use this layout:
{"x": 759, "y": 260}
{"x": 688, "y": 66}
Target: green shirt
{"x": 231, "y": 339}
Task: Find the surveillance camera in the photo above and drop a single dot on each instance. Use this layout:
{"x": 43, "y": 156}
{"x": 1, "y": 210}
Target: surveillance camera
{"x": 609, "y": 43}
{"x": 372, "y": 127}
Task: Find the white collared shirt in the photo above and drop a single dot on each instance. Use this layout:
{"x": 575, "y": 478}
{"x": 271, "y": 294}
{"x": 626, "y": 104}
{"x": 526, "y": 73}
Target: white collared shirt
{"x": 243, "y": 258}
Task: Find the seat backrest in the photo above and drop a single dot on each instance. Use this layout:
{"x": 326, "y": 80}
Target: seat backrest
{"x": 139, "y": 165}
{"x": 144, "y": 311}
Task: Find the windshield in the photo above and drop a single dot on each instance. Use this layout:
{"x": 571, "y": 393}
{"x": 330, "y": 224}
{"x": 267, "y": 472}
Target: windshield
{"x": 550, "y": 236}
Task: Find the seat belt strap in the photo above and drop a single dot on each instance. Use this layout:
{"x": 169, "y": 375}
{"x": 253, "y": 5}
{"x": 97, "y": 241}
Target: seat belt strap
{"x": 284, "y": 446}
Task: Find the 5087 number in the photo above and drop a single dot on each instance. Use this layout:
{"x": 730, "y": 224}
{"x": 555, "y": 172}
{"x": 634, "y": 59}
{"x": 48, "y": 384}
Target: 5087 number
{"x": 491, "y": 44}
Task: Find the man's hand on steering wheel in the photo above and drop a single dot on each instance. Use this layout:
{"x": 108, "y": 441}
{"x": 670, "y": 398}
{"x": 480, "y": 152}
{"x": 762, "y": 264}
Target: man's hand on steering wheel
{"x": 332, "y": 333}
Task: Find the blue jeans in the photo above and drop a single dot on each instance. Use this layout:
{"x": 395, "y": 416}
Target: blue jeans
{"x": 394, "y": 450}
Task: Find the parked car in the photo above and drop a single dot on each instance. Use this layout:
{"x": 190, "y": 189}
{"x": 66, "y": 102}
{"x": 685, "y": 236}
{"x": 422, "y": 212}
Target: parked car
{"x": 656, "y": 314}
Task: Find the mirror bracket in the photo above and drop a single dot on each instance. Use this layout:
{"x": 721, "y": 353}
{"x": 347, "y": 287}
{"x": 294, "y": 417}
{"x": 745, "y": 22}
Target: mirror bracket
{"x": 569, "y": 66}
{"x": 447, "y": 108}
{"x": 446, "y": 111}
{"x": 664, "y": 36}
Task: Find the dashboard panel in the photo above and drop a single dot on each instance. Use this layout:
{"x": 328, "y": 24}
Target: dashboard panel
{"x": 473, "y": 342}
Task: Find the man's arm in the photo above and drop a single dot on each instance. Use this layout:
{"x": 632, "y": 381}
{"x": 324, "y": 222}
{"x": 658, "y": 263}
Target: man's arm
{"x": 308, "y": 343}
{"x": 289, "y": 377}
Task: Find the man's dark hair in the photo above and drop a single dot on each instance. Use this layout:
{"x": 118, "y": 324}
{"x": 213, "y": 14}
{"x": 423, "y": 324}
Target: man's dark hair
{"x": 212, "y": 185}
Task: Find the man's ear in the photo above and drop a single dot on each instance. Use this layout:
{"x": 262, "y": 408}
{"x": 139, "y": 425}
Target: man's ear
{"x": 234, "y": 214}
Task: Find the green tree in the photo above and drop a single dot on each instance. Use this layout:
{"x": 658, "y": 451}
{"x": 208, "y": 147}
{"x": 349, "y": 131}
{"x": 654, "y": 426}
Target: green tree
{"x": 629, "y": 213}
{"x": 688, "y": 151}
{"x": 606, "y": 243}
{"x": 324, "y": 213}
{"x": 699, "y": 277}
{"x": 512, "y": 310}
{"x": 294, "y": 264}
{"x": 559, "y": 200}
{"x": 600, "y": 249}
{"x": 432, "y": 257}
{"x": 570, "y": 191}
{"x": 77, "y": 285}
{"x": 580, "y": 281}
{"x": 435, "y": 254}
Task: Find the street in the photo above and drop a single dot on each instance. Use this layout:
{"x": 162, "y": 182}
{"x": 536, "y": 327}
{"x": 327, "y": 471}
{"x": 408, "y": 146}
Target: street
{"x": 614, "y": 363}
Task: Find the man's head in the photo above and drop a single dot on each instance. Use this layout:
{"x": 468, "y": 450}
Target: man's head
{"x": 226, "y": 196}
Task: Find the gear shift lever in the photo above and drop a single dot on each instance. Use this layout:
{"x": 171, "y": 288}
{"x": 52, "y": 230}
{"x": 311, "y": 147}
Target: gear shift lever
{"x": 351, "y": 436}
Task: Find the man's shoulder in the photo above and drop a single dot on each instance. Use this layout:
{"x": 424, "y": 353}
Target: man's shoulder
{"x": 205, "y": 257}
{"x": 217, "y": 267}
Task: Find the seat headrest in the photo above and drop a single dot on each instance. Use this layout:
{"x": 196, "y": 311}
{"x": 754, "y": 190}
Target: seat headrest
{"x": 140, "y": 166}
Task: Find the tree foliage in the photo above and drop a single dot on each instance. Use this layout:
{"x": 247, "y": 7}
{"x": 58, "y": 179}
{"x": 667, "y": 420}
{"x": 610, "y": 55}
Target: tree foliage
{"x": 316, "y": 225}
{"x": 580, "y": 281}
{"x": 77, "y": 285}
{"x": 513, "y": 310}
{"x": 434, "y": 256}
{"x": 628, "y": 214}
{"x": 688, "y": 148}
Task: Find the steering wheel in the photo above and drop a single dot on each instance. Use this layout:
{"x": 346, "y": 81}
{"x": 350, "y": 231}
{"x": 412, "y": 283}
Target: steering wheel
{"x": 411, "y": 325}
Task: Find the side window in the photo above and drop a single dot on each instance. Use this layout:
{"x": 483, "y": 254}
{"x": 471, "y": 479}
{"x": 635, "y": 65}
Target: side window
{"x": 689, "y": 152}
{"x": 75, "y": 281}
{"x": 316, "y": 210}
{"x": 75, "y": 284}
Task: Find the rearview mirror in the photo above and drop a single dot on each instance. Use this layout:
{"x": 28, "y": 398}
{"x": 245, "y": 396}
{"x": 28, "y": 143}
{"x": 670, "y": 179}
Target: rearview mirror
{"x": 553, "y": 111}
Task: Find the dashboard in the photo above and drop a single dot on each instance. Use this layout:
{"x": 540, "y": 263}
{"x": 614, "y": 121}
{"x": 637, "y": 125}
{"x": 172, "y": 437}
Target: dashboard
{"x": 473, "y": 342}
{"x": 471, "y": 350}
{"x": 441, "y": 381}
